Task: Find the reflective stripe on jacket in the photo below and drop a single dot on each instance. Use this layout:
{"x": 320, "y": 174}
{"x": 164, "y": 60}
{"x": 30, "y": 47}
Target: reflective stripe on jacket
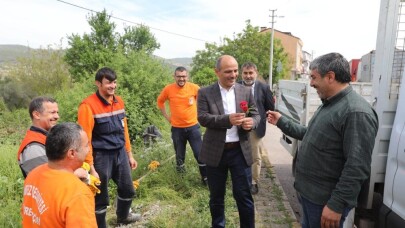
{"x": 109, "y": 122}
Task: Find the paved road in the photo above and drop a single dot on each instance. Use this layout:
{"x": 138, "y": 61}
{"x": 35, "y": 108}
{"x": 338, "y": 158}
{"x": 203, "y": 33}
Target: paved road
{"x": 282, "y": 162}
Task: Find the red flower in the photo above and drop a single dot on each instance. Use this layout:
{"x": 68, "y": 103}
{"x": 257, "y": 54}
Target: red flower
{"x": 244, "y": 106}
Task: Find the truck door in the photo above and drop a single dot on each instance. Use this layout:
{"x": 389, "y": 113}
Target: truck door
{"x": 395, "y": 173}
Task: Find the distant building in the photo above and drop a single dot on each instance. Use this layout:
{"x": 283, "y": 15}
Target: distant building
{"x": 365, "y": 70}
{"x": 293, "y": 47}
{"x": 306, "y": 61}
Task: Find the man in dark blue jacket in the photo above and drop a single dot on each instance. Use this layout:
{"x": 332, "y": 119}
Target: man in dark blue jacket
{"x": 264, "y": 102}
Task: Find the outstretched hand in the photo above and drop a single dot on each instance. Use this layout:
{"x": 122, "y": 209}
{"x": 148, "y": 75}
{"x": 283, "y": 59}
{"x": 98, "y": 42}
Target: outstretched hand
{"x": 273, "y": 117}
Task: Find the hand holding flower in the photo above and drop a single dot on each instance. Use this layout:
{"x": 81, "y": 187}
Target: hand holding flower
{"x": 236, "y": 119}
{"x": 247, "y": 123}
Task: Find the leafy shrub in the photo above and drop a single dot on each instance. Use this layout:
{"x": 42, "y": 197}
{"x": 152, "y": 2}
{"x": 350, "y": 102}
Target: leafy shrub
{"x": 13, "y": 126}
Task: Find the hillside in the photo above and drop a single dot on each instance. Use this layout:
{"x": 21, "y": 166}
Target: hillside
{"x": 10, "y": 53}
{"x": 186, "y": 62}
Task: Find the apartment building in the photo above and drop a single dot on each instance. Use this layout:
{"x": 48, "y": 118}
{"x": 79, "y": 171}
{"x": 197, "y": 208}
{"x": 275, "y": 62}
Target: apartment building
{"x": 293, "y": 47}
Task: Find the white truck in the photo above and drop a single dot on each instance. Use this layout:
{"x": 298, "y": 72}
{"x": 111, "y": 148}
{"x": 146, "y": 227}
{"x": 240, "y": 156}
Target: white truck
{"x": 382, "y": 199}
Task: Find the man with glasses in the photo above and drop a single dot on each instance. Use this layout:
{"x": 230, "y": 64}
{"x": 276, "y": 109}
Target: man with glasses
{"x": 182, "y": 97}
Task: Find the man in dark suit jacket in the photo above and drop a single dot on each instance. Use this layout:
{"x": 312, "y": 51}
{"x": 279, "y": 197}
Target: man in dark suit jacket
{"x": 264, "y": 102}
{"x": 226, "y": 141}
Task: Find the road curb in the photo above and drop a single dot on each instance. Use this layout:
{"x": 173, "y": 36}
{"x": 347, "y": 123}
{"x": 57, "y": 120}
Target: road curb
{"x": 271, "y": 203}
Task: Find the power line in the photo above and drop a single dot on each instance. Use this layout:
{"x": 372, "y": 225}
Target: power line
{"x": 139, "y": 24}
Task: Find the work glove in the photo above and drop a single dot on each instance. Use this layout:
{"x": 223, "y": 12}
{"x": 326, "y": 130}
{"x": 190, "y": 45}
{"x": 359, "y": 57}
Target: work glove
{"x": 91, "y": 181}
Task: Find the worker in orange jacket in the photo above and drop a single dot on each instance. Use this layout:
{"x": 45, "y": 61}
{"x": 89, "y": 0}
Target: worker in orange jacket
{"x": 103, "y": 118}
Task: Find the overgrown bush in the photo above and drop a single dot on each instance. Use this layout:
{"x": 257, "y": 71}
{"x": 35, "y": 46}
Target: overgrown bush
{"x": 13, "y": 126}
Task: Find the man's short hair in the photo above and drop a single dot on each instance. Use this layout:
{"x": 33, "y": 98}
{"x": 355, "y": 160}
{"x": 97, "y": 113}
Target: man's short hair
{"x": 180, "y": 69}
{"x": 61, "y": 138}
{"x": 37, "y": 104}
{"x": 332, "y": 62}
{"x": 106, "y": 73}
{"x": 249, "y": 65}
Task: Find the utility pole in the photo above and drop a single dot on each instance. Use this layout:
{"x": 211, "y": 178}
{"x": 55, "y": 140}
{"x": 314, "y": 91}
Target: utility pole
{"x": 271, "y": 47}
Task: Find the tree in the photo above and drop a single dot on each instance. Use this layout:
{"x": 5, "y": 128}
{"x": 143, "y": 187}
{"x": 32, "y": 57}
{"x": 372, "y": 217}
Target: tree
{"x": 89, "y": 52}
{"x": 138, "y": 39}
{"x": 249, "y": 45}
{"x": 203, "y": 65}
{"x": 86, "y": 54}
{"x": 140, "y": 80}
{"x": 42, "y": 73}
{"x": 205, "y": 76}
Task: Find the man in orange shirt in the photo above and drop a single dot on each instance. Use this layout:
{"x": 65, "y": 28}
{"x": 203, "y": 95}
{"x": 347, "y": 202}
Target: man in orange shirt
{"x": 53, "y": 195}
{"x": 182, "y": 97}
{"x": 102, "y": 116}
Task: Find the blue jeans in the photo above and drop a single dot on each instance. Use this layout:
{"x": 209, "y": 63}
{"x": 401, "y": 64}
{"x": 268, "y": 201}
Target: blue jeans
{"x": 312, "y": 214}
{"x": 234, "y": 161}
{"x": 180, "y": 136}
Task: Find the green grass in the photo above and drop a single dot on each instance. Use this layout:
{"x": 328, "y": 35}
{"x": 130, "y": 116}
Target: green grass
{"x": 174, "y": 199}
{"x": 277, "y": 194}
{"x": 11, "y": 182}
{"x": 165, "y": 198}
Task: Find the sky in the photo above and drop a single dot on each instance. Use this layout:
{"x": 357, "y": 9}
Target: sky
{"x": 184, "y": 26}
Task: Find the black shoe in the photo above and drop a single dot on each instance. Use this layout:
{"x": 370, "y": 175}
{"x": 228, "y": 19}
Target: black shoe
{"x": 204, "y": 181}
{"x": 132, "y": 217}
{"x": 254, "y": 189}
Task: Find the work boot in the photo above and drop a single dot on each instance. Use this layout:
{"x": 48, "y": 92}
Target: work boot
{"x": 100, "y": 218}
{"x": 132, "y": 217}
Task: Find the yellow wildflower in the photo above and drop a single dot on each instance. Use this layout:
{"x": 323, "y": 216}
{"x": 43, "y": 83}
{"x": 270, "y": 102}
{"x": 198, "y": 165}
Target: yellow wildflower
{"x": 153, "y": 165}
{"x": 136, "y": 184}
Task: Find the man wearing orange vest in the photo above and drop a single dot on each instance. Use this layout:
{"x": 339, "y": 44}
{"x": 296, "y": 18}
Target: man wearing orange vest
{"x": 102, "y": 116}
{"x": 44, "y": 115}
{"x": 182, "y": 97}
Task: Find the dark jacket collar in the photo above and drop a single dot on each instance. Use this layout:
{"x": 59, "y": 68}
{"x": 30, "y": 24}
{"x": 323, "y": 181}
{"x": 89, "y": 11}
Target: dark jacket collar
{"x": 104, "y": 100}
{"x": 338, "y": 96}
{"x": 39, "y": 130}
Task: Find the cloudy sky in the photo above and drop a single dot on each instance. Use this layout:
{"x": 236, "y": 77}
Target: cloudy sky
{"x": 183, "y": 26}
